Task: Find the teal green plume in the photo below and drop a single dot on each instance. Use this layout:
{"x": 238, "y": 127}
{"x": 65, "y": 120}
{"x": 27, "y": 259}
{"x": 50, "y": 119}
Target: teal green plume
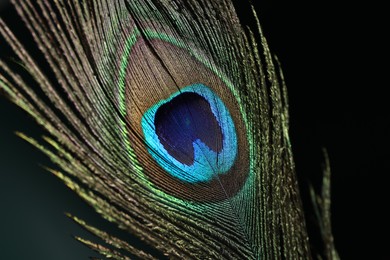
{"x": 169, "y": 118}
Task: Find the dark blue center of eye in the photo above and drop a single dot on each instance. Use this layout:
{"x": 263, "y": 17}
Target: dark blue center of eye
{"x": 183, "y": 120}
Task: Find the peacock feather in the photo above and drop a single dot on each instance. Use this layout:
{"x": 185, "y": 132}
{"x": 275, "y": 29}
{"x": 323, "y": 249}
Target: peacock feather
{"x": 169, "y": 118}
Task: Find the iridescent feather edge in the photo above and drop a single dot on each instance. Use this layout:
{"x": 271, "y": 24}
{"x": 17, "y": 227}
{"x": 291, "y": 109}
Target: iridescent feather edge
{"x": 123, "y": 74}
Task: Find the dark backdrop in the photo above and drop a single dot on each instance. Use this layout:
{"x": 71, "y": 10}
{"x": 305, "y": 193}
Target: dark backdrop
{"x": 332, "y": 58}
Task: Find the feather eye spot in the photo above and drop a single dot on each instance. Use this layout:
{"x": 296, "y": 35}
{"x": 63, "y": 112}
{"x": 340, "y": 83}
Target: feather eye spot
{"x": 164, "y": 110}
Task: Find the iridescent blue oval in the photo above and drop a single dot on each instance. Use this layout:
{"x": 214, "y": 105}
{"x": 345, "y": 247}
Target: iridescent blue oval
{"x": 191, "y": 134}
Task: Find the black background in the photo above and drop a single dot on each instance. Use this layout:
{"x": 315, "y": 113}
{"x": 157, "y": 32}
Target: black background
{"x": 334, "y": 62}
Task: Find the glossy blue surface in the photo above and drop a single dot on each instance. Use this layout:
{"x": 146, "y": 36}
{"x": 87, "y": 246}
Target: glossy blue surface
{"x": 191, "y": 134}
